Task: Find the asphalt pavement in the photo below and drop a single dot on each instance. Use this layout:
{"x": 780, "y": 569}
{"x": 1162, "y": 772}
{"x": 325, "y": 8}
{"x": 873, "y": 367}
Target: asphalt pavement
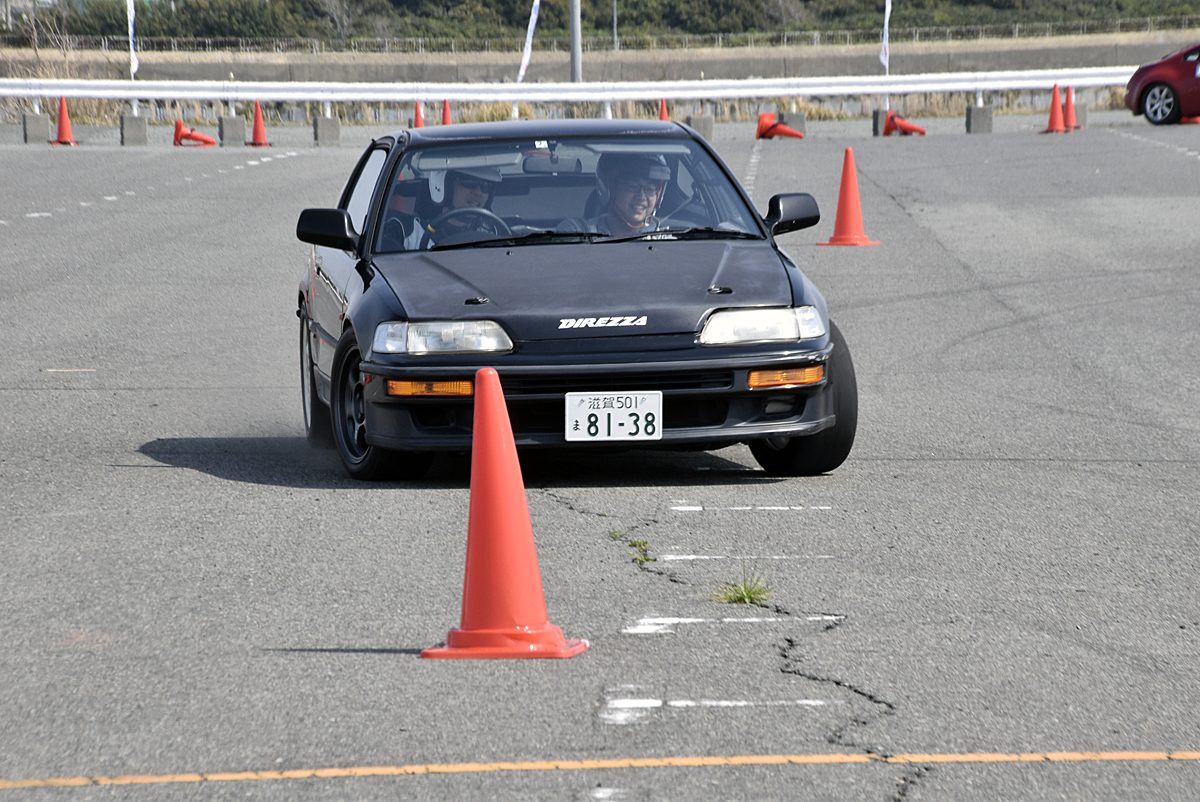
{"x": 994, "y": 597}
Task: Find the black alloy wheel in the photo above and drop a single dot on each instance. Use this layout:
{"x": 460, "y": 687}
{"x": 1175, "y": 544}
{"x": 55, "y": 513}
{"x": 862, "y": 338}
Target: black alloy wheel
{"x": 827, "y": 449}
{"x": 361, "y": 459}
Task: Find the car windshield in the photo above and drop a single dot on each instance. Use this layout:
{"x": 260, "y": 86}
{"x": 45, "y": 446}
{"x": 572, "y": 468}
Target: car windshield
{"x": 529, "y": 192}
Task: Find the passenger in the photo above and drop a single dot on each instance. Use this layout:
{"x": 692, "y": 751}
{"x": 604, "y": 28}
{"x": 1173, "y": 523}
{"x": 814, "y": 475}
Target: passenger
{"x": 631, "y": 188}
{"x": 451, "y": 190}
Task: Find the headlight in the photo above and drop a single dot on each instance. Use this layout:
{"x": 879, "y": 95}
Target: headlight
{"x": 441, "y": 337}
{"x": 762, "y": 325}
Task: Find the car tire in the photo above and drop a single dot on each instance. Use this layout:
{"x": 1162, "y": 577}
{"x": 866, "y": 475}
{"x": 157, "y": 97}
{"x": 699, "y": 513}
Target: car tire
{"x": 318, "y": 428}
{"x": 827, "y": 449}
{"x": 1160, "y": 104}
{"x": 361, "y": 459}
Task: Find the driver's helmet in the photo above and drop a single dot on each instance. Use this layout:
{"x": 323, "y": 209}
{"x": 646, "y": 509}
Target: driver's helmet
{"x": 441, "y": 181}
{"x": 612, "y": 167}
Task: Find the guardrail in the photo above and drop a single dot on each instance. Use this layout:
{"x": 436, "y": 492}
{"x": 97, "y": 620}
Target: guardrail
{"x": 235, "y": 91}
{"x": 628, "y": 41}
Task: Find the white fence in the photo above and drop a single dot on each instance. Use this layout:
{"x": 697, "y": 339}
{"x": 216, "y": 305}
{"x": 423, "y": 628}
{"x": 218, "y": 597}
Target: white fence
{"x": 233, "y": 91}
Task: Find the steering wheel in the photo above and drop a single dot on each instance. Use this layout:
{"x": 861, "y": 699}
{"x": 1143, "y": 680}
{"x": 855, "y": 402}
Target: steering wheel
{"x": 485, "y": 218}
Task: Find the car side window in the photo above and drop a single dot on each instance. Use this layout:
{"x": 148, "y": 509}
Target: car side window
{"x": 359, "y": 202}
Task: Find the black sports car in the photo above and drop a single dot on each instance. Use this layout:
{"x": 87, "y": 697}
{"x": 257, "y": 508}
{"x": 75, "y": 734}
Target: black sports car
{"x": 613, "y": 272}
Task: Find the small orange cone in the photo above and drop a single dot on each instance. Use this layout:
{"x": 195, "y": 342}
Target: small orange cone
{"x": 1069, "y": 123}
{"x": 848, "y": 227}
{"x": 766, "y": 121}
{"x": 1056, "y": 116}
{"x": 65, "y": 137}
{"x": 503, "y": 606}
{"x": 418, "y": 117}
{"x": 895, "y": 122}
{"x": 191, "y": 135}
{"x": 769, "y": 127}
{"x": 258, "y": 139}
{"x": 445, "y": 112}
{"x": 662, "y": 109}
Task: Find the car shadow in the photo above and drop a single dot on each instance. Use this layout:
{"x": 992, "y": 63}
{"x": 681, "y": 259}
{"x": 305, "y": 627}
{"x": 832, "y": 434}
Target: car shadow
{"x": 292, "y": 462}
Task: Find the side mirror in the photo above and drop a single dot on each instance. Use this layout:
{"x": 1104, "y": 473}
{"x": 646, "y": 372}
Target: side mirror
{"x": 328, "y": 227}
{"x": 791, "y": 211}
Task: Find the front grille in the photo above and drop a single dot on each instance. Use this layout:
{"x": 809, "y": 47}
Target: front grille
{"x": 516, "y": 385}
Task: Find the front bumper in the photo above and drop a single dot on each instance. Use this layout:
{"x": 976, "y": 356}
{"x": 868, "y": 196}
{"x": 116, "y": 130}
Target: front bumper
{"x": 705, "y": 402}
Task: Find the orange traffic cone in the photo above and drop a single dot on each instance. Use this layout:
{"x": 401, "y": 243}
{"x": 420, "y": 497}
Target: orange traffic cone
{"x": 769, "y": 127}
{"x": 1056, "y": 116}
{"x": 258, "y": 139}
{"x": 503, "y": 607}
{"x": 445, "y": 112}
{"x": 766, "y": 121}
{"x": 1069, "y": 123}
{"x": 65, "y": 137}
{"x": 895, "y": 122}
{"x": 662, "y": 109}
{"x": 848, "y": 227}
{"x": 418, "y": 117}
{"x": 191, "y": 135}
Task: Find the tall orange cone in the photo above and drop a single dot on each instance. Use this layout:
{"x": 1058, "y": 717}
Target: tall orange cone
{"x": 418, "y": 117}
{"x": 1069, "y": 123}
{"x": 65, "y": 137}
{"x": 1056, "y": 115}
{"x": 503, "y": 607}
{"x": 662, "y": 109}
{"x": 848, "y": 227}
{"x": 258, "y": 138}
{"x": 445, "y": 112}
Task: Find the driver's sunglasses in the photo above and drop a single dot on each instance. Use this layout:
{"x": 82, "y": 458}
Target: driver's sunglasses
{"x": 475, "y": 185}
{"x": 633, "y": 186}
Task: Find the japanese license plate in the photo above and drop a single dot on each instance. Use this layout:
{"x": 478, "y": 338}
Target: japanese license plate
{"x": 614, "y": 416}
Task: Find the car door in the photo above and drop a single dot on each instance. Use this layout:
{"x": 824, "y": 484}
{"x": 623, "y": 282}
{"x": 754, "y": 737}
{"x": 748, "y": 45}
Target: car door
{"x": 334, "y": 270}
{"x": 1189, "y": 83}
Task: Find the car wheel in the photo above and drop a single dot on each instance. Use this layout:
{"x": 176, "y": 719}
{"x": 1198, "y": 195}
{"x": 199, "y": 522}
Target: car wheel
{"x": 827, "y": 449}
{"x": 317, "y": 426}
{"x": 1160, "y": 105}
{"x": 349, "y": 417}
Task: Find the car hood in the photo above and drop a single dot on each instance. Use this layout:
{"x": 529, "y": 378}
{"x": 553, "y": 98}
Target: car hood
{"x": 547, "y": 292}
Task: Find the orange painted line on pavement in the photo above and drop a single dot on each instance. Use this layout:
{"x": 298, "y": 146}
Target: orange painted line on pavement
{"x": 698, "y": 761}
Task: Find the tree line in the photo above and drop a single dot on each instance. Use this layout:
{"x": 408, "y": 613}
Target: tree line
{"x": 474, "y": 19}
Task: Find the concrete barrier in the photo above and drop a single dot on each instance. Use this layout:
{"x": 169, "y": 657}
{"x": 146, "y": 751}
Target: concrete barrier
{"x": 133, "y": 130}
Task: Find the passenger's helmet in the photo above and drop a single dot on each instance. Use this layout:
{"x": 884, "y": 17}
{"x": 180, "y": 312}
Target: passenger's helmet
{"x": 439, "y": 179}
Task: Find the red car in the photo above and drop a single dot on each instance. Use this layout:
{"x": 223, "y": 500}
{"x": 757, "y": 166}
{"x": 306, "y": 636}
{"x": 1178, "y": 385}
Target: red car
{"x": 1167, "y": 89}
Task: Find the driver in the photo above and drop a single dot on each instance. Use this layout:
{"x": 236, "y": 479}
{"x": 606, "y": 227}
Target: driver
{"x": 631, "y": 187}
{"x": 462, "y": 188}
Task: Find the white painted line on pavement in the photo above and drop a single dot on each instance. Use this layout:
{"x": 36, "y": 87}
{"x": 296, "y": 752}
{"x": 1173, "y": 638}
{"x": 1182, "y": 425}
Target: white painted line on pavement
{"x": 38, "y": 214}
{"x": 696, "y": 557}
{"x": 747, "y": 508}
{"x": 633, "y": 710}
{"x": 662, "y": 625}
{"x": 85, "y": 204}
{"x": 130, "y": 192}
{"x": 110, "y": 197}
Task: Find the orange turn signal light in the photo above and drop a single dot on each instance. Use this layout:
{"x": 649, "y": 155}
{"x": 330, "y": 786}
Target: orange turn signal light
{"x": 789, "y": 377}
{"x": 461, "y": 388}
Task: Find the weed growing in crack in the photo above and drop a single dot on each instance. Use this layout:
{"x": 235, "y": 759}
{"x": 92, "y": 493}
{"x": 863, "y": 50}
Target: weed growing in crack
{"x": 641, "y": 552}
{"x": 615, "y": 535}
{"x": 748, "y": 590}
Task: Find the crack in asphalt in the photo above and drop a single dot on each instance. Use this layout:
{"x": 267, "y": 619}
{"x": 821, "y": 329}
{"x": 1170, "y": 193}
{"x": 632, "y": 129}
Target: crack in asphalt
{"x": 841, "y": 735}
{"x": 911, "y": 775}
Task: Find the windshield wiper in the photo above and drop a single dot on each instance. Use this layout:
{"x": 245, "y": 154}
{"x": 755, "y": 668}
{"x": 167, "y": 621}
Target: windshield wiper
{"x": 695, "y": 232}
{"x": 533, "y": 237}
